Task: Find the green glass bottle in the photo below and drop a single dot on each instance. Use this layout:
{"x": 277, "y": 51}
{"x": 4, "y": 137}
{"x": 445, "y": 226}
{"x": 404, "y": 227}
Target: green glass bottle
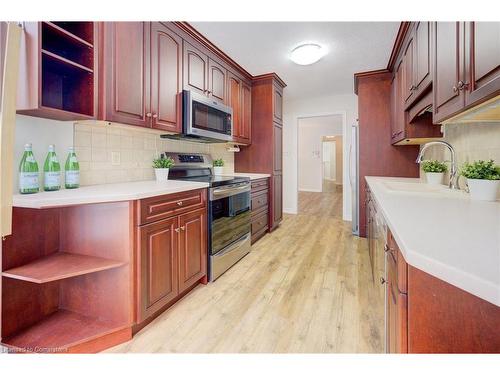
{"x": 71, "y": 170}
{"x": 51, "y": 171}
{"x": 28, "y": 172}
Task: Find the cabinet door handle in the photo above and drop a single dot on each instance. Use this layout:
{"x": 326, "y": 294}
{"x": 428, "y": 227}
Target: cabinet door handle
{"x": 183, "y": 228}
{"x": 149, "y": 114}
{"x": 462, "y": 85}
{"x": 383, "y": 281}
{"x": 176, "y": 230}
{"x": 179, "y": 203}
{"x": 454, "y": 88}
{"x": 386, "y": 248}
{"x": 155, "y": 115}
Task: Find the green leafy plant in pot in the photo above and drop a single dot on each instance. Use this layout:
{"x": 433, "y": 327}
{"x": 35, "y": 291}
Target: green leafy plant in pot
{"x": 434, "y": 171}
{"x": 161, "y": 166}
{"x": 483, "y": 179}
{"x": 218, "y": 166}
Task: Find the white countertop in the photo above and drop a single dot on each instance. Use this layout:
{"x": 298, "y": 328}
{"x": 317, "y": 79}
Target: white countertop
{"x": 444, "y": 233}
{"x": 253, "y": 176}
{"x": 126, "y": 191}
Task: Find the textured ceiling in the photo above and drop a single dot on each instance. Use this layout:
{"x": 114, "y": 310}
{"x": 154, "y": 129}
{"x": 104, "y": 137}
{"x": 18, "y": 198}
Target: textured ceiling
{"x": 263, "y": 47}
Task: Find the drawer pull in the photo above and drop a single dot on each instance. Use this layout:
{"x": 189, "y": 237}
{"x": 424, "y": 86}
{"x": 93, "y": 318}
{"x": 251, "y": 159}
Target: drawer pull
{"x": 179, "y": 203}
{"x": 383, "y": 281}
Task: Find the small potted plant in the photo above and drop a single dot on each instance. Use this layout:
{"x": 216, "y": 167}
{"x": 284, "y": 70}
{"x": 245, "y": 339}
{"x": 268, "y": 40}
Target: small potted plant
{"x": 483, "y": 179}
{"x": 162, "y": 166}
{"x": 218, "y": 166}
{"x": 434, "y": 171}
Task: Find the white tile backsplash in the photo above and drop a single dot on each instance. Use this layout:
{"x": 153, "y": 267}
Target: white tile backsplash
{"x": 471, "y": 142}
{"x": 96, "y": 141}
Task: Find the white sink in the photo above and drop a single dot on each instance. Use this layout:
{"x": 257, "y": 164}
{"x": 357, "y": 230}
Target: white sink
{"x": 421, "y": 189}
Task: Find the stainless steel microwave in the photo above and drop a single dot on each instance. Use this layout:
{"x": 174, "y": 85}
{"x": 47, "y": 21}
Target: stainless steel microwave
{"x": 205, "y": 119}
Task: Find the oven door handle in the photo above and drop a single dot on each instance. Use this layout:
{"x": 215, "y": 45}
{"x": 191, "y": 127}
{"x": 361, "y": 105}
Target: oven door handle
{"x": 228, "y": 191}
{"x": 233, "y": 246}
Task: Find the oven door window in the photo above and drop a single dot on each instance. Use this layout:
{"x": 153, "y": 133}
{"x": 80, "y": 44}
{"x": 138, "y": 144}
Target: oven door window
{"x": 230, "y": 220}
{"x": 211, "y": 119}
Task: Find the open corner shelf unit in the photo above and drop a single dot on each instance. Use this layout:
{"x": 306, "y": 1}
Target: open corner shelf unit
{"x": 60, "y": 266}
{"x": 60, "y": 59}
{"x": 64, "y": 289}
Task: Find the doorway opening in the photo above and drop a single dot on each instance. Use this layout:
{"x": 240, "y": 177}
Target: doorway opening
{"x": 320, "y": 165}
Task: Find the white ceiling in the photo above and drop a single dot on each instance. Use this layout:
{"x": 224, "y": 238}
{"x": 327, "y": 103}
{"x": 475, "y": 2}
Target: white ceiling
{"x": 263, "y": 47}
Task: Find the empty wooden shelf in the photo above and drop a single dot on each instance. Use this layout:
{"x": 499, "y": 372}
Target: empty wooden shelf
{"x": 59, "y": 332}
{"x": 60, "y": 266}
{"x": 57, "y": 74}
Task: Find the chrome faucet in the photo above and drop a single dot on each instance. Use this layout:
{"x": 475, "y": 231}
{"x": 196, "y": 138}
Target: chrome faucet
{"x": 453, "y": 184}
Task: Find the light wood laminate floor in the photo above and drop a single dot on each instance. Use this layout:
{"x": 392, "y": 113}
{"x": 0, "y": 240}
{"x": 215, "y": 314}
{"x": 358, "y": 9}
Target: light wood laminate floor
{"x": 305, "y": 288}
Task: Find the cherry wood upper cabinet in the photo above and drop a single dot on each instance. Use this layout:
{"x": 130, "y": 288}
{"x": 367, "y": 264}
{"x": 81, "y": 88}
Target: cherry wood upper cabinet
{"x": 398, "y": 122}
{"x": 195, "y": 69}
{"x": 217, "y": 81}
{"x": 234, "y": 101}
{"x": 192, "y": 248}
{"x": 422, "y": 57}
{"x": 246, "y": 113}
{"x": 482, "y": 60}
{"x": 277, "y": 105}
{"x": 158, "y": 266}
{"x": 166, "y": 78}
{"x": 126, "y": 73}
{"x": 448, "y": 66}
{"x": 408, "y": 85}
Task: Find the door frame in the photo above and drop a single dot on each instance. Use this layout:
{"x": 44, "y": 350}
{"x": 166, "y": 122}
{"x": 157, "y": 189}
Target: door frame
{"x": 345, "y": 181}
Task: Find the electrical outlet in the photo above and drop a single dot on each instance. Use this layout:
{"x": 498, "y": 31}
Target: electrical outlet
{"x": 115, "y": 158}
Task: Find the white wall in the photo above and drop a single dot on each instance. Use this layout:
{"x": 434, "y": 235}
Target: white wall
{"x": 310, "y": 133}
{"x": 347, "y": 105}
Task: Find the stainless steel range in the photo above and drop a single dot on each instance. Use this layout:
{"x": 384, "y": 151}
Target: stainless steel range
{"x": 228, "y": 210}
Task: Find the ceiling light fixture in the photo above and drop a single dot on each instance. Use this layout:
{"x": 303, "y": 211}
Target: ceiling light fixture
{"x": 307, "y": 54}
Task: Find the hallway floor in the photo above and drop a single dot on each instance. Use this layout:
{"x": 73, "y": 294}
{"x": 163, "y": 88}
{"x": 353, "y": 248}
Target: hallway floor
{"x": 305, "y": 288}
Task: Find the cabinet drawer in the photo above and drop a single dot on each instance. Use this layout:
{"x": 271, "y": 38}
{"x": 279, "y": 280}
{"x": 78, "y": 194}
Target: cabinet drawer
{"x": 161, "y": 207}
{"x": 259, "y": 185}
{"x": 259, "y": 201}
{"x": 260, "y": 222}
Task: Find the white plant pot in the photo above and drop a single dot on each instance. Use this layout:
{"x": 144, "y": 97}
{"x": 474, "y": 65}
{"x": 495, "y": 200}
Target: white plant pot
{"x": 218, "y": 171}
{"x": 483, "y": 190}
{"x": 434, "y": 178}
{"x": 161, "y": 174}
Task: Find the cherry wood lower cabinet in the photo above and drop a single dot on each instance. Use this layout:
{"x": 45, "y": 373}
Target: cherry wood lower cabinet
{"x": 172, "y": 251}
{"x": 427, "y": 315}
{"x": 260, "y": 208}
{"x": 159, "y": 282}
